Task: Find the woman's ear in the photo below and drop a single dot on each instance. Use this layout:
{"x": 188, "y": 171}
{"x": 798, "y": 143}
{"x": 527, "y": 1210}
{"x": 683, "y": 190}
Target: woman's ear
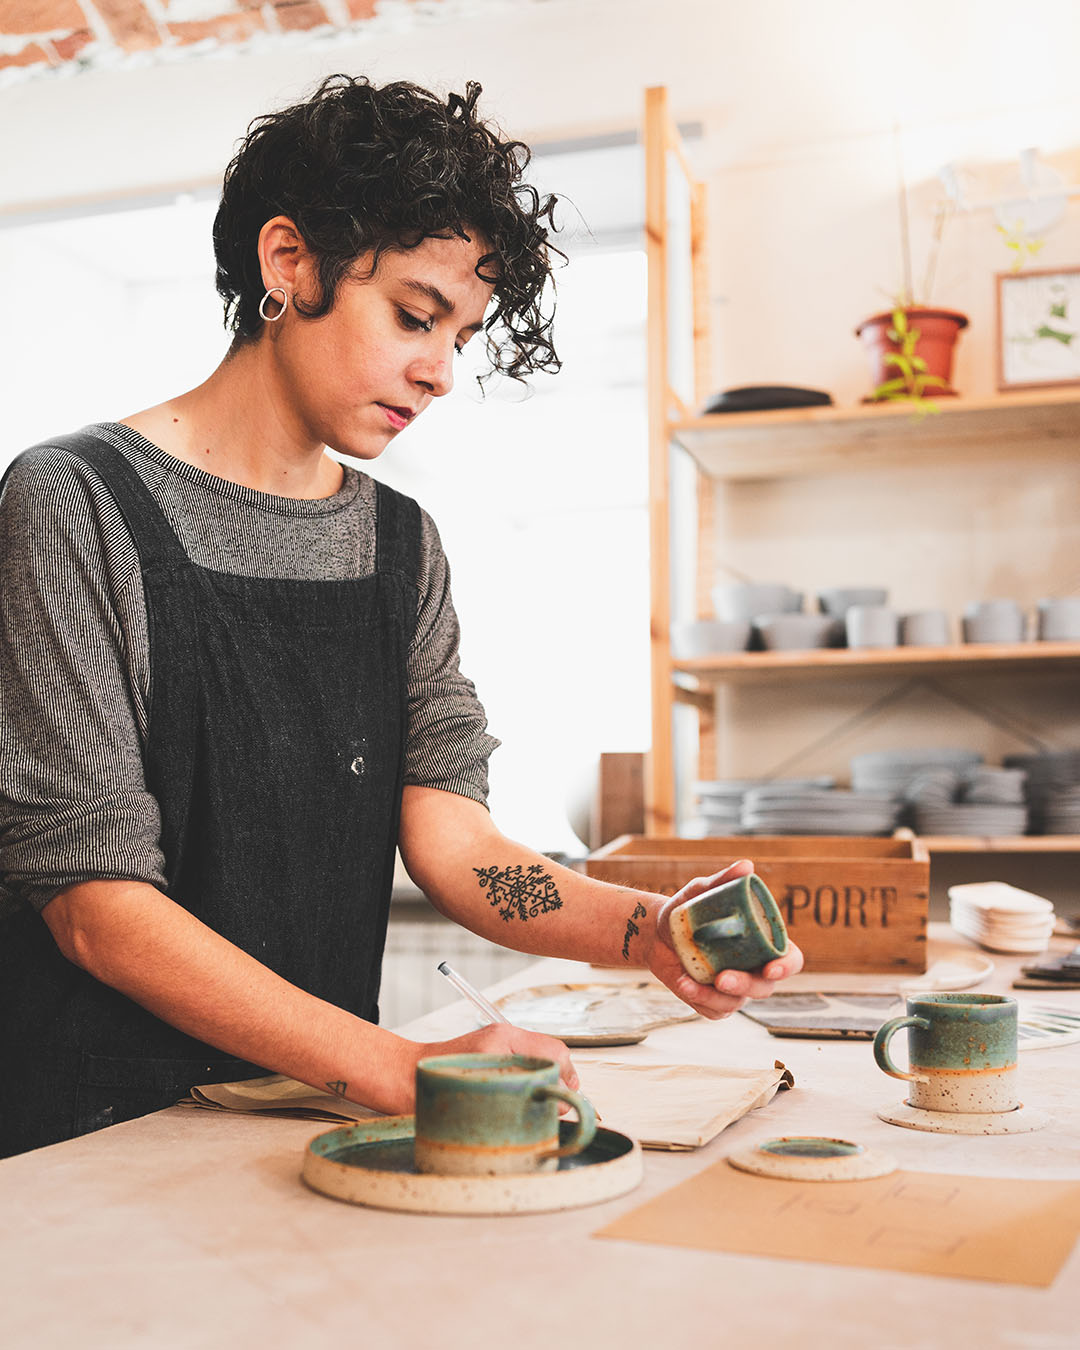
{"x": 284, "y": 259}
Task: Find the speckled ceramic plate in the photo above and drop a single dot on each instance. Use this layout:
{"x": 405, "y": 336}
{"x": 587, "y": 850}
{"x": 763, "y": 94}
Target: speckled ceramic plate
{"x": 595, "y": 1014}
{"x": 1020, "y": 1121}
{"x": 372, "y": 1164}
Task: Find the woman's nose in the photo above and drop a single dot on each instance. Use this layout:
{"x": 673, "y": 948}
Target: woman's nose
{"x": 437, "y": 377}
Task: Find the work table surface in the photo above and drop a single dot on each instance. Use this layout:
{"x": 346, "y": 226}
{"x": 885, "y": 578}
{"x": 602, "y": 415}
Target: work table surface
{"x": 193, "y": 1229}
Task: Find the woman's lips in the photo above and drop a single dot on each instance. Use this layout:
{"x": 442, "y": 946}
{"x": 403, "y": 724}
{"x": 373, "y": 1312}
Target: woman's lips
{"x": 397, "y": 417}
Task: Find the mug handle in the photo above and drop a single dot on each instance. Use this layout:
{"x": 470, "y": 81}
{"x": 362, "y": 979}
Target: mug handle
{"x": 730, "y": 926}
{"x": 586, "y": 1126}
{"x": 885, "y": 1033}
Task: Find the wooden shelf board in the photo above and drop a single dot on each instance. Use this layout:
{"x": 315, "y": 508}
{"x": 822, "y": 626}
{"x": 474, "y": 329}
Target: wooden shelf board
{"x": 982, "y": 657}
{"x": 1024, "y": 843}
{"x": 793, "y": 441}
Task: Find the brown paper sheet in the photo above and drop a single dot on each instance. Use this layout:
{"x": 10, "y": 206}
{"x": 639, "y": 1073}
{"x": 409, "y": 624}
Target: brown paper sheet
{"x": 275, "y": 1095}
{"x": 679, "y": 1106}
{"x": 982, "y": 1228}
{"x": 676, "y": 1106}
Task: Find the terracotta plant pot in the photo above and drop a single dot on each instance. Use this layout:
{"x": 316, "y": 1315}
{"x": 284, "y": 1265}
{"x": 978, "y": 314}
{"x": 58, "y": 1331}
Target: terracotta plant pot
{"x": 938, "y": 330}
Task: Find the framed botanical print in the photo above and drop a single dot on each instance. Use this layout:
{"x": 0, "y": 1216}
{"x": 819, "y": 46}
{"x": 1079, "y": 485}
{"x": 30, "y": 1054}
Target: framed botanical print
{"x": 1038, "y": 328}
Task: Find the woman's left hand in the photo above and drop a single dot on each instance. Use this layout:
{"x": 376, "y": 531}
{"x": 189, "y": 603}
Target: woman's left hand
{"x": 731, "y": 988}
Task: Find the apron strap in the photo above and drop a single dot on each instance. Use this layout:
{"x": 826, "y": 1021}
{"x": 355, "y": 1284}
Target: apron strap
{"x": 397, "y": 537}
{"x": 153, "y": 535}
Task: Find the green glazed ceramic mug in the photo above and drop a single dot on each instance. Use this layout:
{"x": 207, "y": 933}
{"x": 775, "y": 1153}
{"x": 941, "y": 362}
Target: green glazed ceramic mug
{"x": 961, "y": 1052}
{"x": 486, "y": 1115}
{"x": 735, "y": 926}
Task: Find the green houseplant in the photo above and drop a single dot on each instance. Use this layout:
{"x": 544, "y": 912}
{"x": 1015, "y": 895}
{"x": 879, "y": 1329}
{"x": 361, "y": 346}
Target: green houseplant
{"x": 910, "y": 346}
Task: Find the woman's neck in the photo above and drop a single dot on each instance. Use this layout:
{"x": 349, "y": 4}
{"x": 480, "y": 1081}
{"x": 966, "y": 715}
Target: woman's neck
{"x": 233, "y": 426}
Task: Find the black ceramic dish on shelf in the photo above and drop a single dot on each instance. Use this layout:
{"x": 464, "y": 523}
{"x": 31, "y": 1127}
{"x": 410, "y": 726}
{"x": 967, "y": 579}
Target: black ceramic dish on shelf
{"x": 766, "y": 398}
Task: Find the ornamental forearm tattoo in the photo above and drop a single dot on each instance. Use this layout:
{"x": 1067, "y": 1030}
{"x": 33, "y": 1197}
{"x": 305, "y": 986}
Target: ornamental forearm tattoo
{"x": 632, "y": 930}
{"x": 520, "y": 893}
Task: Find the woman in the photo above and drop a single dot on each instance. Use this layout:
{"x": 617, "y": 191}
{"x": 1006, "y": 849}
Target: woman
{"x": 230, "y": 683}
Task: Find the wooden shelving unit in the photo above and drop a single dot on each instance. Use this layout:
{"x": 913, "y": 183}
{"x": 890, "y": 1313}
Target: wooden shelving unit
{"x": 984, "y": 657}
{"x": 836, "y": 440}
{"x": 788, "y": 443}
{"x": 1022, "y": 843}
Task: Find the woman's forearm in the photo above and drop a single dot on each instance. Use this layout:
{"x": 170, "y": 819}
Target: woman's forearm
{"x": 514, "y": 896}
{"x": 135, "y": 939}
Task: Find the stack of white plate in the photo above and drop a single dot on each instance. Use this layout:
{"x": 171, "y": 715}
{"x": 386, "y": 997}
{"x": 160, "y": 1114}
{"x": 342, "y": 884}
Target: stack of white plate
{"x": 964, "y": 818}
{"x": 1061, "y": 811}
{"x": 979, "y": 800}
{"x": 1051, "y": 776}
{"x": 893, "y": 770}
{"x": 987, "y": 784}
{"x": 775, "y": 810}
{"x": 721, "y": 802}
{"x": 1000, "y": 917}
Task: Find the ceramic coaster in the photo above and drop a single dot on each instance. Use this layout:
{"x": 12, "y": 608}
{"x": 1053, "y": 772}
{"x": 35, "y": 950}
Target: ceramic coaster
{"x": 812, "y": 1158}
{"x": 1020, "y": 1121}
{"x": 372, "y": 1164}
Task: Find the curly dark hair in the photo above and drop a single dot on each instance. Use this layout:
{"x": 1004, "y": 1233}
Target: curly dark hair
{"x": 363, "y": 169}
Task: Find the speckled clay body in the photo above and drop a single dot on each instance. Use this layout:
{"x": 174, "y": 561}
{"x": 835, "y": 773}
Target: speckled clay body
{"x": 735, "y": 926}
{"x": 961, "y": 1052}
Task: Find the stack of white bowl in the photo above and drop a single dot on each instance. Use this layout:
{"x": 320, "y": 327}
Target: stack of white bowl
{"x": 1000, "y": 917}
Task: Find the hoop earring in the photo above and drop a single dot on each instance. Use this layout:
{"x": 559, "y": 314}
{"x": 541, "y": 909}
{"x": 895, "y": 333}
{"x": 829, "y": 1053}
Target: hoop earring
{"x": 273, "y": 318}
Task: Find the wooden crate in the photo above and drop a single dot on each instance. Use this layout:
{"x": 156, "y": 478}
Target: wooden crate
{"x": 851, "y": 904}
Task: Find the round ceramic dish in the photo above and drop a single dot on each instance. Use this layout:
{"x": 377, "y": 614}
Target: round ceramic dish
{"x": 706, "y": 637}
{"x": 794, "y": 632}
{"x": 372, "y": 1164}
{"x": 838, "y": 600}
{"x": 813, "y": 1158}
{"x": 742, "y": 600}
{"x": 595, "y": 1014}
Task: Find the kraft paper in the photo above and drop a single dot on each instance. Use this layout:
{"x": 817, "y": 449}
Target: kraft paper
{"x": 668, "y": 1106}
{"x": 676, "y": 1106}
{"x": 984, "y": 1228}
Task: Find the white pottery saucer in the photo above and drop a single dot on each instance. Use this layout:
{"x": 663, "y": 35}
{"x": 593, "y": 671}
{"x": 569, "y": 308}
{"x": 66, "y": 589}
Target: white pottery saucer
{"x": 812, "y": 1158}
{"x": 1020, "y": 1121}
{"x": 959, "y": 970}
{"x": 595, "y": 1014}
{"x": 372, "y": 1164}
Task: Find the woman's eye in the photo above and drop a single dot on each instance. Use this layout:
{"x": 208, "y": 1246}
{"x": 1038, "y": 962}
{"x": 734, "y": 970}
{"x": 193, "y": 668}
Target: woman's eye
{"x": 414, "y": 324}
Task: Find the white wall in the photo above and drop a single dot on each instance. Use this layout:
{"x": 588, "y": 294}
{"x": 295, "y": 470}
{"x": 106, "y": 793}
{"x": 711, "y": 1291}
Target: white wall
{"x": 799, "y": 102}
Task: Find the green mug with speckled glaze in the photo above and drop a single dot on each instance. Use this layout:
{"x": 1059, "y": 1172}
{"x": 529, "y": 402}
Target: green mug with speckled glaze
{"x": 961, "y": 1052}
{"x": 488, "y": 1115}
{"x": 735, "y": 926}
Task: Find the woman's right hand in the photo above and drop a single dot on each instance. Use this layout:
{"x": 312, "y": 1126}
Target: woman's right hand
{"x": 496, "y": 1039}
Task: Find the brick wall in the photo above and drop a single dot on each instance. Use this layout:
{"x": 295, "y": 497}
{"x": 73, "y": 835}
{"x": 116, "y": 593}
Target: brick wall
{"x": 43, "y": 36}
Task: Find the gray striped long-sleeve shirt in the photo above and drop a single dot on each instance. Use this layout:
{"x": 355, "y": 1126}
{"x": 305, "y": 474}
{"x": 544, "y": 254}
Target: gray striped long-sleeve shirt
{"x": 75, "y": 657}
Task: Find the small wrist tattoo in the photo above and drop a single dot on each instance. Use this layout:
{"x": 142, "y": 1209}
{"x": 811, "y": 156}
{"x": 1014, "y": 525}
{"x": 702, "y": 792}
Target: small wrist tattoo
{"x": 520, "y": 893}
{"x": 339, "y": 1088}
{"x": 632, "y": 930}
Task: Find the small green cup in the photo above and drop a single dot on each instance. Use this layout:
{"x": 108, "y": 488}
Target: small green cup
{"x": 487, "y": 1115}
{"x": 735, "y": 926}
{"x": 961, "y": 1052}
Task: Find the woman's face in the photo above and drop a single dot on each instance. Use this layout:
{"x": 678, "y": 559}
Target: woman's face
{"x": 356, "y": 377}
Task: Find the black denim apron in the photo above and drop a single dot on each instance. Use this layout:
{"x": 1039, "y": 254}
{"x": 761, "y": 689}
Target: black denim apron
{"x": 276, "y": 745}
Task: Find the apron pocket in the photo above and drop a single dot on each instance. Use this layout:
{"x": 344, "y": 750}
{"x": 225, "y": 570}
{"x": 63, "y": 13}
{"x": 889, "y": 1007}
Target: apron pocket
{"x": 113, "y": 1088}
